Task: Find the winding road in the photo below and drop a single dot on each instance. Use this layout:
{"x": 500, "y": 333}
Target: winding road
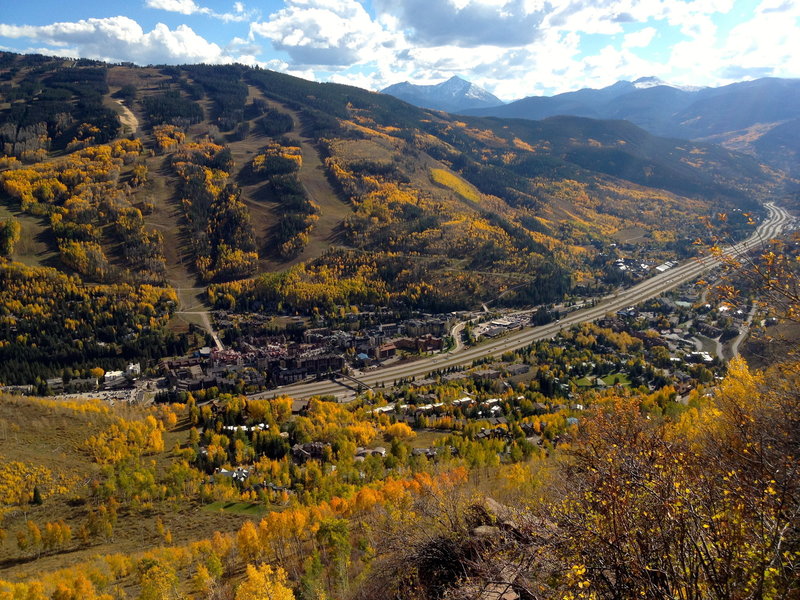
{"x": 776, "y": 221}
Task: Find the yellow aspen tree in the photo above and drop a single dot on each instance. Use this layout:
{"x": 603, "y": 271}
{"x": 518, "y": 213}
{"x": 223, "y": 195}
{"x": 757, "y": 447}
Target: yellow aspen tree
{"x": 264, "y": 583}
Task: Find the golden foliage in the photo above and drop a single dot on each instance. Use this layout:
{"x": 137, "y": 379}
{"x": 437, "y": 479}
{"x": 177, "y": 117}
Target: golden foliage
{"x": 455, "y": 183}
{"x": 264, "y": 583}
{"x": 125, "y": 438}
{"x": 168, "y": 137}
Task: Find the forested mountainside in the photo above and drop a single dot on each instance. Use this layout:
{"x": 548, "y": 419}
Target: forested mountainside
{"x": 139, "y": 187}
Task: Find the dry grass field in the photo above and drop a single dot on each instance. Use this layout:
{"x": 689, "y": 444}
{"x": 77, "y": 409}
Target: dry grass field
{"x": 48, "y": 434}
{"x": 36, "y": 246}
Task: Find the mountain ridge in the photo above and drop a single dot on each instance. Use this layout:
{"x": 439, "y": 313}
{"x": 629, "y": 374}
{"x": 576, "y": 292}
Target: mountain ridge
{"x": 717, "y": 114}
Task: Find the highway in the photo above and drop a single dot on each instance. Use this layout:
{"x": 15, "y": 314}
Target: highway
{"x": 776, "y": 221}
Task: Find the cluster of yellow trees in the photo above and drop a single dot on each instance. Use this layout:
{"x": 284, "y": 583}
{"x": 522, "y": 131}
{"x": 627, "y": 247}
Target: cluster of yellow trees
{"x": 46, "y": 294}
{"x": 704, "y": 500}
{"x": 42, "y": 187}
{"x": 10, "y": 230}
{"x": 438, "y": 215}
{"x": 307, "y": 287}
{"x": 124, "y": 438}
{"x": 18, "y": 480}
{"x": 277, "y": 158}
{"x": 168, "y": 137}
{"x": 202, "y": 568}
{"x": 53, "y": 536}
{"x": 80, "y": 195}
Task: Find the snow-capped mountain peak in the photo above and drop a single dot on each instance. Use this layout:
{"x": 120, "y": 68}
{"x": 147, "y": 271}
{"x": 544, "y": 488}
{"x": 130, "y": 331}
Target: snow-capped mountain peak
{"x": 451, "y": 95}
{"x": 648, "y": 82}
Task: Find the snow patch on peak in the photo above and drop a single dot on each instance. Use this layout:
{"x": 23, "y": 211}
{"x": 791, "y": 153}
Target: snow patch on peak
{"x": 648, "y": 82}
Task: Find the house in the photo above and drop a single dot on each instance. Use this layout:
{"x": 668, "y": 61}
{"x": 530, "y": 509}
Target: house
{"x": 282, "y": 376}
{"x": 423, "y": 382}
{"x": 364, "y": 452}
{"x": 700, "y": 357}
{"x": 315, "y": 336}
{"x": 55, "y": 383}
{"x": 425, "y": 343}
{"x": 518, "y": 369}
{"x": 466, "y": 400}
{"x": 311, "y": 450}
{"x": 239, "y": 474}
{"x": 709, "y": 330}
{"x": 459, "y": 376}
{"x": 17, "y": 389}
{"x": 83, "y": 384}
{"x": 494, "y": 331}
{"x": 432, "y": 325}
{"x": 390, "y": 329}
{"x": 429, "y": 453}
{"x": 115, "y": 379}
{"x": 385, "y": 351}
{"x": 486, "y": 374}
{"x": 298, "y": 407}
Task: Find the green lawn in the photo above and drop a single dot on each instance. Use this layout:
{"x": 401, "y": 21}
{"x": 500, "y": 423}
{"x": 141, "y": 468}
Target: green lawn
{"x": 621, "y": 379}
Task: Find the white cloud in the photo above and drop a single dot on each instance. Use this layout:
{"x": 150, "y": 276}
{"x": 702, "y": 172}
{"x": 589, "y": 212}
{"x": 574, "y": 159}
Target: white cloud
{"x": 123, "y": 39}
{"x": 788, "y": 7}
{"x": 184, "y": 7}
{"x": 466, "y": 23}
{"x": 640, "y": 39}
{"x": 190, "y": 7}
{"x": 511, "y": 47}
{"x": 767, "y": 44}
{"x": 324, "y": 32}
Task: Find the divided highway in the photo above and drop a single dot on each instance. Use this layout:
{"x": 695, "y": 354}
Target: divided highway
{"x": 776, "y": 220}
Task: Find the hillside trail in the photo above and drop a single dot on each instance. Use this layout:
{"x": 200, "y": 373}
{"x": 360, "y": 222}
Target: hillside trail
{"x": 127, "y": 118}
{"x": 168, "y": 219}
{"x": 332, "y": 210}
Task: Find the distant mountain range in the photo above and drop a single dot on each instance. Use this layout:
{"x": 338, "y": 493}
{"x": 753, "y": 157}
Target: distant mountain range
{"x": 453, "y": 95}
{"x": 760, "y": 117}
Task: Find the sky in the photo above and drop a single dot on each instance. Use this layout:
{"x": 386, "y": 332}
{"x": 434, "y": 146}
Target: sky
{"x": 512, "y": 48}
